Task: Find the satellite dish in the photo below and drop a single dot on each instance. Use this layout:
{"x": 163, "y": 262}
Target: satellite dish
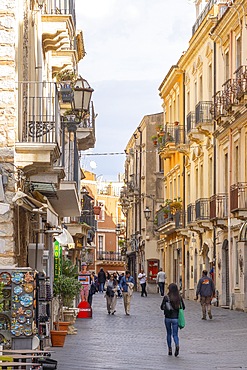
{"x": 93, "y": 165}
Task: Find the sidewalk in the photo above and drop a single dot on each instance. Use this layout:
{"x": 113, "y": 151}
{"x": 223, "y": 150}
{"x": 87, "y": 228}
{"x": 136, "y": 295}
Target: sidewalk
{"x": 138, "y": 341}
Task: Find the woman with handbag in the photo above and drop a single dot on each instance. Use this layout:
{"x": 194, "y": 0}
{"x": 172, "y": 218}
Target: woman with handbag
{"x": 111, "y": 295}
{"x": 171, "y": 305}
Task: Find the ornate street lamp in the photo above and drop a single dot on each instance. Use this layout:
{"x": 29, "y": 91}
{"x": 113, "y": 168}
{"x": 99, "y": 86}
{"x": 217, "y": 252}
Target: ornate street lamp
{"x": 82, "y": 97}
{"x": 147, "y": 213}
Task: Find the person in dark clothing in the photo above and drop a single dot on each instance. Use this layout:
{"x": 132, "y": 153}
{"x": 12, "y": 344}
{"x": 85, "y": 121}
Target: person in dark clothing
{"x": 171, "y": 304}
{"x": 206, "y": 290}
{"x": 101, "y": 280}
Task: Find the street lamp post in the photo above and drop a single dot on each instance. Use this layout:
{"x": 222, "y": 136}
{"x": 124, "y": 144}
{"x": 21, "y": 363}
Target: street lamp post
{"x": 147, "y": 212}
{"x": 118, "y": 231}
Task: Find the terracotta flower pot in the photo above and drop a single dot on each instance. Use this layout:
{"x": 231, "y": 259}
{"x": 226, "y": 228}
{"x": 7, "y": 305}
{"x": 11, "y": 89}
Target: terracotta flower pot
{"x": 62, "y": 325}
{"x": 58, "y": 338}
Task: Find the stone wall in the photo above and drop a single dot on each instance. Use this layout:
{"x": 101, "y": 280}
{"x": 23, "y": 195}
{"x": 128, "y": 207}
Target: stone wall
{"x": 8, "y": 110}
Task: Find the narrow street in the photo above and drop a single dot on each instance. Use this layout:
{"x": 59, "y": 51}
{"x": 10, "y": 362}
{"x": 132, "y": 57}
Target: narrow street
{"x": 138, "y": 341}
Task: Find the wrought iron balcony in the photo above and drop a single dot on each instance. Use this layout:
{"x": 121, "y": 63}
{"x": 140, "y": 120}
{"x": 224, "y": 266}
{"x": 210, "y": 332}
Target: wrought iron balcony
{"x": 164, "y": 217}
{"x": 191, "y": 121}
{"x": 191, "y": 213}
{"x": 203, "y": 15}
{"x": 219, "y": 206}
{"x": 169, "y": 136}
{"x": 241, "y": 81}
{"x": 39, "y": 113}
{"x": 110, "y": 256}
{"x": 60, "y": 7}
{"x": 202, "y": 207}
{"x": 218, "y": 108}
{"x": 204, "y": 113}
{"x": 238, "y": 199}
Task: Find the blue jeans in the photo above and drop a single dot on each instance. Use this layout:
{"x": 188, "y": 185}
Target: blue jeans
{"x": 171, "y": 330}
{"x": 101, "y": 287}
{"x": 162, "y": 288}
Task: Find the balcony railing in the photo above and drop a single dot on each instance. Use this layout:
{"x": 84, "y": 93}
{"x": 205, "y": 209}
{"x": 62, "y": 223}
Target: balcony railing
{"x": 62, "y": 7}
{"x": 203, "y": 15}
{"x": 109, "y": 256}
{"x": 202, "y": 209}
{"x": 191, "y": 213}
{"x": 169, "y": 136}
{"x": 164, "y": 217}
{"x": 39, "y": 113}
{"x": 191, "y": 121}
{"x": 218, "y": 109}
{"x": 178, "y": 217}
{"x": 238, "y": 200}
{"x": 180, "y": 136}
{"x": 204, "y": 112}
{"x": 219, "y": 206}
{"x": 241, "y": 81}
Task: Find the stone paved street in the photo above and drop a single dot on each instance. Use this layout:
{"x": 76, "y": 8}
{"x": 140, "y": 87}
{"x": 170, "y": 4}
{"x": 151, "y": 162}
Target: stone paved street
{"x": 138, "y": 341}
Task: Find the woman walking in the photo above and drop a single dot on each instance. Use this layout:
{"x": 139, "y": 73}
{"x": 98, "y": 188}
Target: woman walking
{"x": 111, "y": 295}
{"x": 171, "y": 304}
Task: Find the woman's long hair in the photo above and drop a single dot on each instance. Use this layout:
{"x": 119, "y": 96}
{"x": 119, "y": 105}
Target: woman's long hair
{"x": 174, "y": 296}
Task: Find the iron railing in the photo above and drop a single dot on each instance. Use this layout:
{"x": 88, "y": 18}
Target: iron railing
{"x": 204, "y": 112}
{"x": 109, "y": 256}
{"x": 202, "y": 209}
{"x": 191, "y": 121}
{"x": 219, "y": 206}
{"x": 164, "y": 216}
{"x": 203, "y": 15}
{"x": 62, "y": 7}
{"x": 39, "y": 113}
{"x": 191, "y": 213}
{"x": 238, "y": 198}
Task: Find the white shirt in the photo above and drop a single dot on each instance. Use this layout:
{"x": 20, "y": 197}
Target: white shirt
{"x": 142, "y": 278}
{"x": 161, "y": 277}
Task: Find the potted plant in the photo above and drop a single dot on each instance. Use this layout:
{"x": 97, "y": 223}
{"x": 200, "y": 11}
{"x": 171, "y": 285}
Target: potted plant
{"x": 66, "y": 80}
{"x": 176, "y": 205}
{"x": 154, "y": 138}
{"x": 65, "y": 288}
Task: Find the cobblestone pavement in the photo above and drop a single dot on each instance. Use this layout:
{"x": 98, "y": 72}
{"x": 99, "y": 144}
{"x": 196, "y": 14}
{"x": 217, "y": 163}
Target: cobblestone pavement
{"x": 138, "y": 341}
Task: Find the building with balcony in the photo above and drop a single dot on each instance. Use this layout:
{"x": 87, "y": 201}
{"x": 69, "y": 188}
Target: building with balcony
{"x": 108, "y": 245}
{"x": 141, "y": 196}
{"x": 40, "y": 140}
{"x": 213, "y": 114}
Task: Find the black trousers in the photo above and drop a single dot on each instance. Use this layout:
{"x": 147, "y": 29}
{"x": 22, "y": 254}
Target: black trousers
{"x": 144, "y": 292}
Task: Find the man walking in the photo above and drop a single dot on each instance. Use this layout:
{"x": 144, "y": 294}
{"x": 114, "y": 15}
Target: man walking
{"x": 142, "y": 278}
{"x": 161, "y": 277}
{"x": 127, "y": 285}
{"x": 206, "y": 290}
{"x": 101, "y": 280}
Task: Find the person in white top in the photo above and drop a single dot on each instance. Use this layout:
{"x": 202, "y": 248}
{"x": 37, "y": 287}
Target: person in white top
{"x": 161, "y": 277}
{"x": 142, "y": 279}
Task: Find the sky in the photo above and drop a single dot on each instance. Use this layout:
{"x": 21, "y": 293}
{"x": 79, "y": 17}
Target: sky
{"x": 130, "y": 46}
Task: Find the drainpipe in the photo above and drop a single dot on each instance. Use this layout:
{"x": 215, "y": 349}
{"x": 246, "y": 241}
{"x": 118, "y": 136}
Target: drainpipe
{"x": 214, "y": 158}
{"x": 184, "y": 194}
{"x": 140, "y": 179}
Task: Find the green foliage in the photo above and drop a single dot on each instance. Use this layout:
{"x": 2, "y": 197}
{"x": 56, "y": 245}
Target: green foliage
{"x": 66, "y": 289}
{"x": 68, "y": 269}
{"x": 66, "y": 75}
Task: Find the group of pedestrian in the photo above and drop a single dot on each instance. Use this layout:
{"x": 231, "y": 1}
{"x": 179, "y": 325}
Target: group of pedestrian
{"x": 173, "y": 302}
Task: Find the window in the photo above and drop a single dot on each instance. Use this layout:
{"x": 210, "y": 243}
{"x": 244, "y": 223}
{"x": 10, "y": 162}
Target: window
{"x": 210, "y": 82}
{"x": 100, "y": 245}
{"x": 238, "y": 52}
{"x": 226, "y": 173}
{"x": 101, "y": 216}
{"x": 200, "y": 89}
{"x": 227, "y": 66}
{"x": 236, "y": 261}
{"x": 236, "y": 167}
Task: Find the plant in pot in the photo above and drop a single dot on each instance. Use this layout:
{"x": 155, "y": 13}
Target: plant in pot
{"x": 154, "y": 138}
{"x": 65, "y": 288}
{"x": 66, "y": 80}
{"x": 176, "y": 205}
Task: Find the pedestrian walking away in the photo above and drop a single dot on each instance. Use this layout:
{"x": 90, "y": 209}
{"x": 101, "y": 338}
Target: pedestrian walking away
{"x": 111, "y": 295}
{"x": 127, "y": 284}
{"x": 206, "y": 290}
{"x": 170, "y": 305}
{"x": 142, "y": 279}
{"x": 161, "y": 278}
{"x": 101, "y": 280}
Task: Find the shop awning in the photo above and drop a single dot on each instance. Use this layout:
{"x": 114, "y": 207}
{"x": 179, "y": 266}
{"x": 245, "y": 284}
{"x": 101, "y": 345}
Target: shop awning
{"x": 65, "y": 239}
{"x": 33, "y": 205}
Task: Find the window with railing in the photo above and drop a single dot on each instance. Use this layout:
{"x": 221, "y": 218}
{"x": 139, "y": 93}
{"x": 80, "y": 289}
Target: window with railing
{"x": 39, "y": 113}
{"x": 202, "y": 207}
{"x": 60, "y": 7}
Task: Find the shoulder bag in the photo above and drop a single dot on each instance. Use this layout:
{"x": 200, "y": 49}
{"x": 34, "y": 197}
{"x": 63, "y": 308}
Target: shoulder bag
{"x": 181, "y": 318}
